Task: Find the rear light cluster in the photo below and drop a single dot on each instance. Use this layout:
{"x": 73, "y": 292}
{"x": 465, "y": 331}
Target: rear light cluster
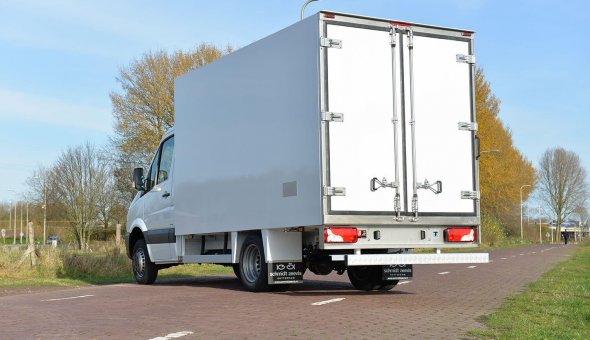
{"x": 461, "y": 234}
{"x": 341, "y": 235}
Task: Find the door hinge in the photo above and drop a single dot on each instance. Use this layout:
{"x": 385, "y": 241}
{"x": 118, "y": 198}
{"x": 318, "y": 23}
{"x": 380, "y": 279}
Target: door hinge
{"x": 466, "y": 58}
{"x": 468, "y": 126}
{"x": 332, "y": 116}
{"x": 327, "y": 42}
{"x": 470, "y": 195}
{"x": 334, "y": 191}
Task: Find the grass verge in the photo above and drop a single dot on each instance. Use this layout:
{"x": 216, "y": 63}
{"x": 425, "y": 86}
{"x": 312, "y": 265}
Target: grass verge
{"x": 555, "y": 307}
{"x": 104, "y": 263}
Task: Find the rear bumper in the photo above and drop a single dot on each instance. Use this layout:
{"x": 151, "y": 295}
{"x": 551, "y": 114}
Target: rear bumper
{"x": 388, "y": 259}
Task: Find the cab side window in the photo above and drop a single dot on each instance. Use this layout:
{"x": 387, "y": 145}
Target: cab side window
{"x": 165, "y": 160}
{"x": 150, "y": 179}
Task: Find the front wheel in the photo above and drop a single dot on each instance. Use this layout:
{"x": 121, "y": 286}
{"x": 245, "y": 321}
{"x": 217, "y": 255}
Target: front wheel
{"x": 253, "y": 267}
{"x": 144, "y": 270}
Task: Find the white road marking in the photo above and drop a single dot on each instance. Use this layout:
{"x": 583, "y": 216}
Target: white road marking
{"x": 503, "y": 258}
{"x": 534, "y": 252}
{"x": 173, "y": 335}
{"x": 444, "y": 273}
{"x": 521, "y": 254}
{"x": 319, "y": 303}
{"x": 68, "y": 298}
{"x": 470, "y": 267}
{"x": 404, "y": 282}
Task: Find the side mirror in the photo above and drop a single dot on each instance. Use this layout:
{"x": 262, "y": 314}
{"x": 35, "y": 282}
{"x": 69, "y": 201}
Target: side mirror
{"x": 138, "y": 179}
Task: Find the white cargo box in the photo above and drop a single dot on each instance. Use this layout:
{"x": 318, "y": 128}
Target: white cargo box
{"x": 291, "y": 130}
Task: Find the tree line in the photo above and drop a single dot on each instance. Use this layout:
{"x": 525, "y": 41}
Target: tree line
{"x": 89, "y": 186}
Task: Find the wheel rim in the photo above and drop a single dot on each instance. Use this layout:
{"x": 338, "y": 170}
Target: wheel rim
{"x": 252, "y": 263}
{"x": 139, "y": 263}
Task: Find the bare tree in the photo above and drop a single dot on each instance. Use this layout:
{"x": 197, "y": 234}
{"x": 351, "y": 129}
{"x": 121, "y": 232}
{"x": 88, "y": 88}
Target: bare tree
{"x": 563, "y": 184}
{"x": 78, "y": 180}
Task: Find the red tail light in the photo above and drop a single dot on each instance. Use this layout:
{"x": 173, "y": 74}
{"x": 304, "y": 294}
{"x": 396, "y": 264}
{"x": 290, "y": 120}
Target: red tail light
{"x": 340, "y": 235}
{"x": 461, "y": 234}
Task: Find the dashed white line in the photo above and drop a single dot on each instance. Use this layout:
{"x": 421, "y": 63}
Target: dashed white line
{"x": 404, "y": 282}
{"x": 173, "y": 335}
{"x": 444, "y": 273}
{"x": 503, "y": 258}
{"x": 470, "y": 267}
{"x": 68, "y": 298}
{"x": 521, "y": 254}
{"x": 319, "y": 303}
{"x": 534, "y": 252}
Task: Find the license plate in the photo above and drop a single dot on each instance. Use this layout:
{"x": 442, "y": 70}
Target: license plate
{"x": 397, "y": 272}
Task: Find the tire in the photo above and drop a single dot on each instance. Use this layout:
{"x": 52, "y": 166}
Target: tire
{"x": 365, "y": 277}
{"x": 144, "y": 270}
{"x": 387, "y": 285}
{"x": 253, "y": 267}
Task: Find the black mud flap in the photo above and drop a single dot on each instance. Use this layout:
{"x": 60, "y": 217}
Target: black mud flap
{"x": 285, "y": 273}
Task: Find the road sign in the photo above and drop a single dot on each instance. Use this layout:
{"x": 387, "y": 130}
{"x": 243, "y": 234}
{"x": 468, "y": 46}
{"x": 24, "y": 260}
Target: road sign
{"x": 3, "y": 233}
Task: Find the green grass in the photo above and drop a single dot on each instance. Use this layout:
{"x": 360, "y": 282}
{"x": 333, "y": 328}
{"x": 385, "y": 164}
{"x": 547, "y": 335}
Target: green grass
{"x": 555, "y": 307}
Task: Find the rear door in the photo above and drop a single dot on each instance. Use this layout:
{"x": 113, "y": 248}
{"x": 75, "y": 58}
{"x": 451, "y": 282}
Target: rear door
{"x": 443, "y": 121}
{"x": 365, "y": 80}
{"x": 361, "y": 146}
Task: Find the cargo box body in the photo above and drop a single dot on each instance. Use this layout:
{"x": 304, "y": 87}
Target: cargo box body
{"x": 290, "y": 130}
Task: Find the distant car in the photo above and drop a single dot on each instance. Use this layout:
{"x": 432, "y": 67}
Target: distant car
{"x": 50, "y": 239}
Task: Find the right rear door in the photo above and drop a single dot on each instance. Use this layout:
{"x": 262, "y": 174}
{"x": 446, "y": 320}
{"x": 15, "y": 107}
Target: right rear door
{"x": 364, "y": 80}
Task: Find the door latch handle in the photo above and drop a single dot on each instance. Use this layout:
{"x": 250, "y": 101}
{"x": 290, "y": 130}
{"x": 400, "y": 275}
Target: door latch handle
{"x": 166, "y": 194}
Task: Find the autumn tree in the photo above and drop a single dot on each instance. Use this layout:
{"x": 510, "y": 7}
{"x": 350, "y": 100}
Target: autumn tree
{"x": 563, "y": 186}
{"x": 144, "y": 110}
{"x": 501, "y": 174}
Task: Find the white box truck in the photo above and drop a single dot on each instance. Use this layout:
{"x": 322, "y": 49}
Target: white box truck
{"x": 339, "y": 143}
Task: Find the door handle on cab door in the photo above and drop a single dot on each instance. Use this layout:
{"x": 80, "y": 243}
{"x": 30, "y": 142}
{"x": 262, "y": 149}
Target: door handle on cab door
{"x": 165, "y": 194}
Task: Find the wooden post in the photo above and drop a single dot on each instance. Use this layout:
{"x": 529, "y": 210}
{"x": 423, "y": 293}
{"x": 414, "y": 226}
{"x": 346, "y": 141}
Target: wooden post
{"x": 118, "y": 235}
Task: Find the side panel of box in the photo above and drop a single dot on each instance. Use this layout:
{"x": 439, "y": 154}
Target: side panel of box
{"x": 247, "y": 137}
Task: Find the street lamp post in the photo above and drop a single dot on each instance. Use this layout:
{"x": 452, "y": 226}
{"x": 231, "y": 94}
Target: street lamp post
{"x": 44, "y": 208}
{"x": 44, "y": 212}
{"x": 14, "y": 239}
{"x": 10, "y": 220}
{"x": 21, "y": 223}
{"x": 521, "y": 233}
{"x": 540, "y": 235}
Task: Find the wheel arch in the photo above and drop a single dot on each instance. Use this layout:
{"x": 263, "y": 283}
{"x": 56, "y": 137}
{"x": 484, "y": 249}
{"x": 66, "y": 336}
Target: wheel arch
{"x": 137, "y": 233}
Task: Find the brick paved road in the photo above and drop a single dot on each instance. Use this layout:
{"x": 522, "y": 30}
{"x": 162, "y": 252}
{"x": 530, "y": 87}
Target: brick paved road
{"x": 432, "y": 305}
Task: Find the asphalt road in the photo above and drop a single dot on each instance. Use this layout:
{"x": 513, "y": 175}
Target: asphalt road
{"x": 440, "y": 302}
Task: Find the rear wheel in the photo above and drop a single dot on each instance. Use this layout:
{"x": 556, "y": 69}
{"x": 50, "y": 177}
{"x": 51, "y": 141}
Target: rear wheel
{"x": 253, "y": 267}
{"x": 365, "y": 277}
{"x": 387, "y": 285}
{"x": 144, "y": 270}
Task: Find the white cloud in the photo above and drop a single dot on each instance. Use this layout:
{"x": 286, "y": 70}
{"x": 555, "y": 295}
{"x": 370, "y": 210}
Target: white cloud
{"x": 48, "y": 110}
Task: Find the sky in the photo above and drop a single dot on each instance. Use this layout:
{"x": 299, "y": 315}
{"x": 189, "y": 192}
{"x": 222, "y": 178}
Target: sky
{"x": 59, "y": 60}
